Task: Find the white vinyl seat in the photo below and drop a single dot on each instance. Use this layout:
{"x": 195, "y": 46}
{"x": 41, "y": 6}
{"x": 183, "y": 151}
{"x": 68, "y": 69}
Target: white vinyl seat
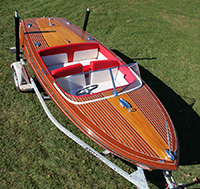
{"x": 103, "y": 74}
{"x": 100, "y": 74}
{"x": 55, "y": 61}
{"x": 70, "y": 78}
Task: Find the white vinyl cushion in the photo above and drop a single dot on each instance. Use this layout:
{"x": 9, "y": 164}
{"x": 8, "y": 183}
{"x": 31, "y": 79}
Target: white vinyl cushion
{"x": 101, "y": 76}
{"x": 55, "y": 59}
{"x": 85, "y": 54}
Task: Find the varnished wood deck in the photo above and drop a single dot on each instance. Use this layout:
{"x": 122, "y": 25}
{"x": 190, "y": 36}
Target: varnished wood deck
{"x": 141, "y": 125}
{"x": 57, "y": 34}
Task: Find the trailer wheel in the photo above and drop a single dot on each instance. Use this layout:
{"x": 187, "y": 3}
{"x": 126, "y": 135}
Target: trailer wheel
{"x": 16, "y": 80}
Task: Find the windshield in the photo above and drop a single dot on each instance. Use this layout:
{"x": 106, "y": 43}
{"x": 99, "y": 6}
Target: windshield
{"x": 98, "y": 85}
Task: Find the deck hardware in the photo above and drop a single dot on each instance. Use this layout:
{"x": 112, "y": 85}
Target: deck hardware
{"x": 170, "y": 154}
{"x": 37, "y": 44}
{"x": 125, "y": 104}
{"x": 67, "y": 41}
{"x": 90, "y": 38}
{"x": 50, "y": 24}
{"x": 67, "y": 22}
{"x": 29, "y": 25}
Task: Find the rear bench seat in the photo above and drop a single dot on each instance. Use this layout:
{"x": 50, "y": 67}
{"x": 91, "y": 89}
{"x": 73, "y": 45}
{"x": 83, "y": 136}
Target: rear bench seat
{"x": 65, "y": 55}
{"x": 55, "y": 61}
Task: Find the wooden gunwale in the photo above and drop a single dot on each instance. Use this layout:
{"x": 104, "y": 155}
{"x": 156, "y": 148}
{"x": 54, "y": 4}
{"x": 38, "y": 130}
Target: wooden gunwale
{"x": 84, "y": 124}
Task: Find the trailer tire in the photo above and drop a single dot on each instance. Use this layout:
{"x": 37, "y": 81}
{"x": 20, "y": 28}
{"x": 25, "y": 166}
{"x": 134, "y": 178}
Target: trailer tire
{"x": 16, "y": 80}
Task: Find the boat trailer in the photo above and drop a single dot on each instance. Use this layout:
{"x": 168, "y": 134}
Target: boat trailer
{"x": 24, "y": 82}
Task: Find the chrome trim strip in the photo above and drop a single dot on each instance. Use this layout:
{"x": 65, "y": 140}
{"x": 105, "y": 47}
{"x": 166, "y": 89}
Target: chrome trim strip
{"x": 90, "y": 38}
{"x": 45, "y": 71}
{"x": 67, "y": 22}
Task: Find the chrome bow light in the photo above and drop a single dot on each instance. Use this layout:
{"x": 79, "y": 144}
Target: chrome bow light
{"x": 125, "y": 104}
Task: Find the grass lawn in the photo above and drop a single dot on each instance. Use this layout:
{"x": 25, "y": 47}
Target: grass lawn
{"x": 162, "y": 36}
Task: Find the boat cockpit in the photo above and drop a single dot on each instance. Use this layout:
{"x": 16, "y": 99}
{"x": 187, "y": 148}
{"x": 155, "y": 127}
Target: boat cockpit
{"x": 88, "y": 69}
{"x": 110, "y": 82}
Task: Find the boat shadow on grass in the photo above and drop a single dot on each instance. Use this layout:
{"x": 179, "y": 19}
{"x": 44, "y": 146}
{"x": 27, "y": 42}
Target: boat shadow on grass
{"x": 180, "y": 108}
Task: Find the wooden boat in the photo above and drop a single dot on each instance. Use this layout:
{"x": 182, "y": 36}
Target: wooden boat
{"x": 101, "y": 94}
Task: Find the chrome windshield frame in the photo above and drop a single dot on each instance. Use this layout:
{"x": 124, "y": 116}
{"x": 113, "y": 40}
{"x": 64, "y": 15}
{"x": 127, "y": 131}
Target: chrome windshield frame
{"x": 114, "y": 93}
{"x": 113, "y": 81}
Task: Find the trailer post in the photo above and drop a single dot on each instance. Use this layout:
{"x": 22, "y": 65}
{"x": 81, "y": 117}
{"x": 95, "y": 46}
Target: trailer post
{"x": 17, "y": 35}
{"x": 86, "y": 19}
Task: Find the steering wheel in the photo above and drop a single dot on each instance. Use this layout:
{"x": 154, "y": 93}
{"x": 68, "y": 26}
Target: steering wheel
{"x": 86, "y": 90}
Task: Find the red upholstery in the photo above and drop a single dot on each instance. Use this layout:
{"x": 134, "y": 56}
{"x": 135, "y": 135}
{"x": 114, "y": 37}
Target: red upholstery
{"x": 86, "y": 68}
{"x": 69, "y": 49}
{"x": 130, "y": 78}
{"x": 68, "y": 70}
{"x": 102, "y": 64}
{"x": 107, "y": 52}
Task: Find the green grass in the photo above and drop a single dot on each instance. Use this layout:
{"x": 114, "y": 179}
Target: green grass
{"x": 162, "y": 36}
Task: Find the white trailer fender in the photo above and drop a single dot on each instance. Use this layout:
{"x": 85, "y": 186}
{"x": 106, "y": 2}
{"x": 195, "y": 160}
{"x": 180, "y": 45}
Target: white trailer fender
{"x": 20, "y": 77}
{"x": 17, "y": 67}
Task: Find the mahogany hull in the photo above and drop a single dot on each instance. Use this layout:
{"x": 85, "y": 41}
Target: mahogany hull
{"x": 140, "y": 137}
